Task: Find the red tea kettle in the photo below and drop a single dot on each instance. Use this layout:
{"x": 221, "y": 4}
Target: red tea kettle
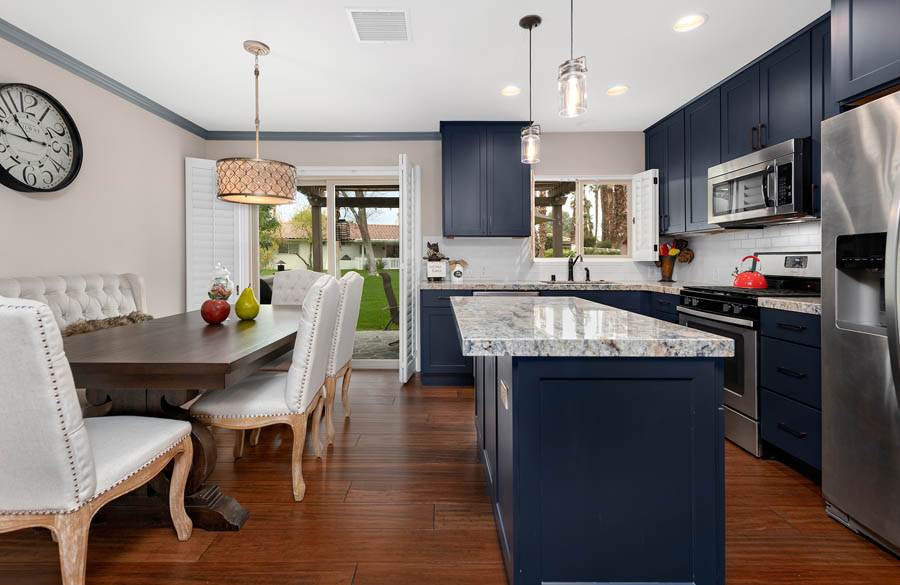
{"x": 750, "y": 278}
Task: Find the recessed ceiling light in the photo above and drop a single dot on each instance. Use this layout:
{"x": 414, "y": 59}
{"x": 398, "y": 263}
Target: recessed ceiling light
{"x": 617, "y": 90}
{"x": 511, "y": 90}
{"x": 689, "y": 22}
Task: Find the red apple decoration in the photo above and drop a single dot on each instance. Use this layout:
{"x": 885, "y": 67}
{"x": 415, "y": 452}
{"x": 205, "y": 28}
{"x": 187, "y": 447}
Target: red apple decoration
{"x": 215, "y": 311}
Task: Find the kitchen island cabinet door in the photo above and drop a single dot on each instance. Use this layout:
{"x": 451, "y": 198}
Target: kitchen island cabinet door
{"x": 504, "y": 507}
{"x": 740, "y": 114}
{"x": 702, "y": 150}
{"x": 865, "y": 46}
{"x": 508, "y": 184}
{"x": 478, "y": 370}
{"x": 489, "y": 453}
{"x": 785, "y": 108}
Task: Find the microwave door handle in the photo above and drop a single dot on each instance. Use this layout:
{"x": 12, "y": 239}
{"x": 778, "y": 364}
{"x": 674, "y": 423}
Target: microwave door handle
{"x": 892, "y": 255}
{"x": 765, "y": 185}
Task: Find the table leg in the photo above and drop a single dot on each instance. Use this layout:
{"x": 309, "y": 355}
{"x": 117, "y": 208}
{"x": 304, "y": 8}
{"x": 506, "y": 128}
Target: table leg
{"x": 207, "y": 505}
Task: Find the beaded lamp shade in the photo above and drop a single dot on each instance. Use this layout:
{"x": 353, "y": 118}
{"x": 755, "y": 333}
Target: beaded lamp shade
{"x": 255, "y": 180}
{"x": 258, "y": 181}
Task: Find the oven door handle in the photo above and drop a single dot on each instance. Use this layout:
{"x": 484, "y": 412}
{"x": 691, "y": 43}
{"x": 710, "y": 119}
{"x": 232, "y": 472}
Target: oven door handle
{"x": 714, "y": 317}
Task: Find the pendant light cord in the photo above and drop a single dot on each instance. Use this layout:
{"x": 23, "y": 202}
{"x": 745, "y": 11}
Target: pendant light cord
{"x": 530, "y": 117}
{"x": 571, "y": 29}
{"x": 256, "y": 81}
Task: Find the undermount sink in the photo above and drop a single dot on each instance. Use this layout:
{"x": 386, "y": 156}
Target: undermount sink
{"x": 571, "y": 281}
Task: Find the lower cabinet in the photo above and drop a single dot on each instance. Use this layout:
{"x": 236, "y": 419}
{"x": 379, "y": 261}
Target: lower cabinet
{"x": 790, "y": 378}
{"x": 442, "y": 360}
{"x": 663, "y": 307}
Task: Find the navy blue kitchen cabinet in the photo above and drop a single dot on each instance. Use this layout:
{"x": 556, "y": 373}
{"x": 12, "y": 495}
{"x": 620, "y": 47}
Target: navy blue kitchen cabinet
{"x": 579, "y": 471}
{"x": 865, "y": 47}
{"x": 702, "y": 141}
{"x": 740, "y": 114}
{"x": 664, "y": 307}
{"x": 785, "y": 107}
{"x": 665, "y": 151}
{"x": 790, "y": 379}
{"x": 823, "y": 106}
{"x": 442, "y": 360}
{"x": 486, "y": 188}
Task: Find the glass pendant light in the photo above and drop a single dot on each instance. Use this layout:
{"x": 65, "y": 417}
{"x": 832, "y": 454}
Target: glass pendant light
{"x": 531, "y": 135}
{"x": 255, "y": 180}
{"x": 571, "y": 83}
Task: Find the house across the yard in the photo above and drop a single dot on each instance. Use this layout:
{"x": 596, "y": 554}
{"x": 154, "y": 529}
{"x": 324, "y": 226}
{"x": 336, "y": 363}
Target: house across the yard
{"x": 295, "y": 246}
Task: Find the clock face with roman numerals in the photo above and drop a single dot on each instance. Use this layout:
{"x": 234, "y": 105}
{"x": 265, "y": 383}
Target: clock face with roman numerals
{"x": 40, "y": 148}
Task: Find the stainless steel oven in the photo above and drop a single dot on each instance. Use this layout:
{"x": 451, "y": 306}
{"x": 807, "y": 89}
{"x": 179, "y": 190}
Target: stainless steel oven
{"x": 741, "y": 390}
{"x": 767, "y": 186}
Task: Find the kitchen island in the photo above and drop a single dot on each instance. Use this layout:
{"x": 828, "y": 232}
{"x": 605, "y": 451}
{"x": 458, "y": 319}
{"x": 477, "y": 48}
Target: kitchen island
{"x": 601, "y": 435}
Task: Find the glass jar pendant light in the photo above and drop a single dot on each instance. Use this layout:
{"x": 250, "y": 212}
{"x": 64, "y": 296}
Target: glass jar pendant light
{"x": 572, "y": 83}
{"x": 255, "y": 181}
{"x": 531, "y": 135}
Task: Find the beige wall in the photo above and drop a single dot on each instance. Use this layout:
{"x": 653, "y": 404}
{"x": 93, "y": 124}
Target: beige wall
{"x": 591, "y": 153}
{"x": 124, "y": 212}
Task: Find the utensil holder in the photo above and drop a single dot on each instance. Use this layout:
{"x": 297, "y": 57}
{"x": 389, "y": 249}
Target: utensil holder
{"x": 666, "y": 268}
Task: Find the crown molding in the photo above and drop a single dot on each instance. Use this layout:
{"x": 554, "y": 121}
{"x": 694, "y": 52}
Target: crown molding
{"x": 321, "y": 136}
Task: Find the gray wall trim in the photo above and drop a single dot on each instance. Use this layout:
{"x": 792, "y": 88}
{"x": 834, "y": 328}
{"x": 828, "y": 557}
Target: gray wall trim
{"x": 321, "y": 136}
{"x": 35, "y": 45}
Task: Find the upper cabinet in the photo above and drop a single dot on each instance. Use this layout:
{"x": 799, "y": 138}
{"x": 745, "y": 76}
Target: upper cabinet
{"x": 702, "y": 150}
{"x": 486, "y": 188}
{"x": 782, "y": 95}
{"x": 664, "y": 145}
{"x": 865, "y": 46}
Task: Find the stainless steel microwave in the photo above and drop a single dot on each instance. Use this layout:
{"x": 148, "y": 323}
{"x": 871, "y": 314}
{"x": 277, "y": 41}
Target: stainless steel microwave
{"x": 770, "y": 185}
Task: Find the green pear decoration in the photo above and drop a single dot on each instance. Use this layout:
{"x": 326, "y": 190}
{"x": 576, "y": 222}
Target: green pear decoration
{"x": 246, "y": 307}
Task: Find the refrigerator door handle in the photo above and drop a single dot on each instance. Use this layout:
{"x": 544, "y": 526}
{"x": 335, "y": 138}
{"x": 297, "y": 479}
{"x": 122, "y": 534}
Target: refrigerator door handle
{"x": 891, "y": 289}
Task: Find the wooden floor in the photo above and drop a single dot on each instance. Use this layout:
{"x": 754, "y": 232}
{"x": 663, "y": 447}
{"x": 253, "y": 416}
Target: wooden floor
{"x": 400, "y": 499}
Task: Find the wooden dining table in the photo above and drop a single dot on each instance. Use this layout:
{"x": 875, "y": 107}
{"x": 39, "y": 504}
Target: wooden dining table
{"x": 155, "y": 367}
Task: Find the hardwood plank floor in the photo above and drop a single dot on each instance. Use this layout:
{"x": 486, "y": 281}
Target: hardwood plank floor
{"x": 399, "y": 499}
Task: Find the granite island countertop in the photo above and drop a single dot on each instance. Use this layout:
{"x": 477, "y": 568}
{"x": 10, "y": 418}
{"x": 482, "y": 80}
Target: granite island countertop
{"x": 572, "y": 327}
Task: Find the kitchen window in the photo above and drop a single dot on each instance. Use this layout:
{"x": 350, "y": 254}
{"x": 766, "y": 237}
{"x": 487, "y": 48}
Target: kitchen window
{"x": 587, "y": 216}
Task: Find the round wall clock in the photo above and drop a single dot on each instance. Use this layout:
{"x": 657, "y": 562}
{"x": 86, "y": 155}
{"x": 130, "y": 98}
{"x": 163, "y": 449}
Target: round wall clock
{"x": 40, "y": 147}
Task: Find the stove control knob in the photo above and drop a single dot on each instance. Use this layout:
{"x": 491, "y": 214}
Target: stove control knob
{"x": 737, "y": 309}
{"x": 726, "y": 308}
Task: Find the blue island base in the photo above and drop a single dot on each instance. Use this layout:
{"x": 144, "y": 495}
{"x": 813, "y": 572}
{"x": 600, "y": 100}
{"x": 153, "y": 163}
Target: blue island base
{"x": 605, "y": 470}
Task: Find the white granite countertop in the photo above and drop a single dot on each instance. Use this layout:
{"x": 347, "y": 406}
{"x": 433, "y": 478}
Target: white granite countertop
{"x": 809, "y": 305}
{"x": 568, "y": 326}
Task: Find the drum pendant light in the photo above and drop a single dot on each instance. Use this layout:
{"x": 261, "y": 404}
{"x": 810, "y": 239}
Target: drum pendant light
{"x": 572, "y": 83}
{"x": 531, "y": 135}
{"x": 255, "y": 180}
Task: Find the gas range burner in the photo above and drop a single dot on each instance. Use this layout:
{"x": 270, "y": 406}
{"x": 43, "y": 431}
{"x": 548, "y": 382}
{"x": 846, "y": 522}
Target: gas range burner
{"x": 753, "y": 292}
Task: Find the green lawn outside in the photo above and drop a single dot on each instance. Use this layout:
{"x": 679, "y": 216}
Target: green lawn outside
{"x": 371, "y": 315}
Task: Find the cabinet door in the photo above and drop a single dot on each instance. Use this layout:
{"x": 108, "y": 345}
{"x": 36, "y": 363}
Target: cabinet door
{"x": 823, "y": 107}
{"x": 785, "y": 108}
{"x": 478, "y": 369}
{"x": 463, "y": 169}
{"x": 489, "y": 454}
{"x": 656, "y": 159}
{"x": 505, "y": 458}
{"x": 674, "y": 218}
{"x": 441, "y": 350}
{"x": 702, "y": 138}
{"x": 740, "y": 113}
{"x": 865, "y": 44}
{"x": 508, "y": 184}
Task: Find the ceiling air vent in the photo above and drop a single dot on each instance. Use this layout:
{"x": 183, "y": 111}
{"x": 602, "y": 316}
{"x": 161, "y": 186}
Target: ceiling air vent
{"x": 379, "y": 25}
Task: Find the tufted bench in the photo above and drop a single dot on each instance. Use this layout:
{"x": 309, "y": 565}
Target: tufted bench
{"x": 80, "y": 297}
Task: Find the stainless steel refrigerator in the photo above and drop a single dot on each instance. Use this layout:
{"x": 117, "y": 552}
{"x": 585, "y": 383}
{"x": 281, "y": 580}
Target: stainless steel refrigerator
{"x": 860, "y": 349}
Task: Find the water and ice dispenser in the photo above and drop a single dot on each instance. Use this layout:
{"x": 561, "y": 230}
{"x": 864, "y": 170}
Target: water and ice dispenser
{"x": 859, "y": 279}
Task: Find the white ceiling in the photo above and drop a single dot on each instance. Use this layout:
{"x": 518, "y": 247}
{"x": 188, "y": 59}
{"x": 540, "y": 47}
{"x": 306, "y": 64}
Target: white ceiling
{"x": 187, "y": 55}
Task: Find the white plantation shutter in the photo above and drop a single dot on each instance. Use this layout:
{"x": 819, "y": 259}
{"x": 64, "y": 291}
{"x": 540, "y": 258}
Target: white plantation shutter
{"x": 215, "y": 231}
{"x": 645, "y": 215}
{"x": 410, "y": 186}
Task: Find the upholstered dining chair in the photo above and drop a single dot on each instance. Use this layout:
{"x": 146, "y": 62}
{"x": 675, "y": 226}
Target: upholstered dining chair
{"x": 340, "y": 360}
{"x": 270, "y": 398}
{"x": 291, "y": 286}
{"x": 58, "y": 468}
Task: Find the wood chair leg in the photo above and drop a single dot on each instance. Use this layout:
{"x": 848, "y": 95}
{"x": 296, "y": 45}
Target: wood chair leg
{"x": 72, "y": 532}
{"x": 345, "y": 391}
{"x": 254, "y": 437}
{"x": 183, "y": 524}
{"x": 316, "y": 414}
{"x": 238, "y": 443}
{"x": 330, "y": 389}
{"x": 298, "y": 425}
